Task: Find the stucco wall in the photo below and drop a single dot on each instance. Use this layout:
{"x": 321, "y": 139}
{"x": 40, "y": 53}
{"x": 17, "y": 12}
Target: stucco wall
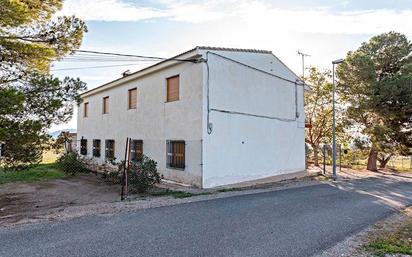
{"x": 245, "y": 147}
{"x": 154, "y": 121}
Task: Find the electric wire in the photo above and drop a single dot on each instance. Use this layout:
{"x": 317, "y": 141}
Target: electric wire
{"x": 95, "y": 67}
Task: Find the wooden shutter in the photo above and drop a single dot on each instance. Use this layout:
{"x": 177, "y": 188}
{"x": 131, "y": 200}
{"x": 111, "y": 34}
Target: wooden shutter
{"x": 172, "y": 89}
{"x": 176, "y": 154}
{"x": 132, "y": 98}
{"x": 105, "y": 105}
{"x": 86, "y": 110}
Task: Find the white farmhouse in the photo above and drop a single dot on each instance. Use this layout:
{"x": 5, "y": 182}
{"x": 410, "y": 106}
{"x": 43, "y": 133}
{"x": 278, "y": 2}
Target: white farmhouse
{"x": 209, "y": 117}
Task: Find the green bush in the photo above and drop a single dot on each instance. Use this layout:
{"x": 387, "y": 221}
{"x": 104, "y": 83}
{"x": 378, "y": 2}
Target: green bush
{"x": 70, "y": 163}
{"x": 143, "y": 175}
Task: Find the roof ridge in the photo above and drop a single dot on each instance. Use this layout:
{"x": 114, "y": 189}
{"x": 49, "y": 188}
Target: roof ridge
{"x": 234, "y": 49}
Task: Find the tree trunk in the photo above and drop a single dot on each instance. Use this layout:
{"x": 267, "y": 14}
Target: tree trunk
{"x": 384, "y": 161}
{"x": 372, "y": 159}
{"x": 316, "y": 156}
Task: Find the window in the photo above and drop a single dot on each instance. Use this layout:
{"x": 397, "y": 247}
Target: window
{"x": 172, "y": 90}
{"x": 83, "y": 146}
{"x": 96, "y": 148}
{"x": 105, "y": 105}
{"x": 175, "y": 154}
{"x": 136, "y": 149}
{"x": 86, "y": 110}
{"x": 109, "y": 149}
{"x": 2, "y": 148}
{"x": 132, "y": 98}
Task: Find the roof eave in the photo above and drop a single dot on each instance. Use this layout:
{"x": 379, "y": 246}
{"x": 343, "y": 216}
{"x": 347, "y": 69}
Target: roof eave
{"x": 143, "y": 72}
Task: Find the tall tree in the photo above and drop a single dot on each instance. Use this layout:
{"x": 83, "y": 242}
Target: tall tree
{"x": 318, "y": 110}
{"x": 31, "y": 38}
{"x": 375, "y": 83}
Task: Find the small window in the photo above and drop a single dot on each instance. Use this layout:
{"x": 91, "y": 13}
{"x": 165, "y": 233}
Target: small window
{"x": 86, "y": 110}
{"x": 136, "y": 149}
{"x": 105, "y": 105}
{"x": 96, "y": 147}
{"x": 83, "y": 146}
{"x": 175, "y": 154}
{"x": 132, "y": 98}
{"x": 109, "y": 149}
{"x": 2, "y": 148}
{"x": 172, "y": 90}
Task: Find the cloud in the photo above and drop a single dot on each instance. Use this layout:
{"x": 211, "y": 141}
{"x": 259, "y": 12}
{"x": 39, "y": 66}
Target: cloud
{"x": 258, "y": 14}
{"x": 254, "y": 13}
{"x": 109, "y": 10}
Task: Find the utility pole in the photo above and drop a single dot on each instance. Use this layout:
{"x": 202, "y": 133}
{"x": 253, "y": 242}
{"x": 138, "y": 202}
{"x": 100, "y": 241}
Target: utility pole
{"x": 303, "y": 55}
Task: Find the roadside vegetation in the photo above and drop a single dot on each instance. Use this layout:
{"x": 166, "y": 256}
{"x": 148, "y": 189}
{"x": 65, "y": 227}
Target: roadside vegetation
{"x": 39, "y": 172}
{"x": 393, "y": 238}
{"x": 177, "y": 194}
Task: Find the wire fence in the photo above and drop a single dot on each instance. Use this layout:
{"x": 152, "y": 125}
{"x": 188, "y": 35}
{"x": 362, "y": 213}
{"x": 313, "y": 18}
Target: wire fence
{"x": 400, "y": 163}
{"x": 356, "y": 159}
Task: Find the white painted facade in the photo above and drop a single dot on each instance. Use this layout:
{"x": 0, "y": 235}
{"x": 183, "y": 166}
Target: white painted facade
{"x": 248, "y": 97}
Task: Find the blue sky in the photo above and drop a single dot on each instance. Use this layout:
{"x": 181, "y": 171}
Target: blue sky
{"x": 325, "y": 29}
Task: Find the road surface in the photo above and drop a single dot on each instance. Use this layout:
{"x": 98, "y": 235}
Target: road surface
{"x": 293, "y": 222}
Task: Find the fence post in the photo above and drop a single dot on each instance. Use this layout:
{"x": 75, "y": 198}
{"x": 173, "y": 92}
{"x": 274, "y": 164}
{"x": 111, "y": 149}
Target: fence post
{"x": 123, "y": 193}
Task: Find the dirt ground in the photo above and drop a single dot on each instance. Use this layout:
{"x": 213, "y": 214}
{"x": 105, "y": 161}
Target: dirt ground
{"x": 26, "y": 202}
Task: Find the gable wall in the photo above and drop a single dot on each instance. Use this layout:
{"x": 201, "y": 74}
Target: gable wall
{"x": 244, "y": 145}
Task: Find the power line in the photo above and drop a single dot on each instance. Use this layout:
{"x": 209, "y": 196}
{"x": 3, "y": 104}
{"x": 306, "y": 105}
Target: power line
{"x": 132, "y": 55}
{"x": 95, "y": 67}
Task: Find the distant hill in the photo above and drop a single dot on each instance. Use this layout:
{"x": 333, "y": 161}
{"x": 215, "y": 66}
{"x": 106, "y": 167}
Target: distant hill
{"x": 56, "y": 133}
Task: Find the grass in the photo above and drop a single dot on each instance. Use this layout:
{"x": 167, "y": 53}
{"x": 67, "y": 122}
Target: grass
{"x": 177, "y": 194}
{"x": 398, "y": 242}
{"x": 36, "y": 173}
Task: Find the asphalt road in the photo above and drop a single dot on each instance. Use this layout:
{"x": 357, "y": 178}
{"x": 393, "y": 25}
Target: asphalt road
{"x": 293, "y": 222}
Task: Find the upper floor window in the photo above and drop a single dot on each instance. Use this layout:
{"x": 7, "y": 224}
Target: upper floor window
{"x": 105, "y": 105}
{"x": 132, "y": 98}
{"x": 172, "y": 89}
{"x": 86, "y": 110}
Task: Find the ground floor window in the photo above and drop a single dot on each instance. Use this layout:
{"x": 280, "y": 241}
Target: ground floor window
{"x": 136, "y": 149}
{"x": 83, "y": 146}
{"x": 96, "y": 147}
{"x": 2, "y": 148}
{"x": 109, "y": 149}
{"x": 175, "y": 154}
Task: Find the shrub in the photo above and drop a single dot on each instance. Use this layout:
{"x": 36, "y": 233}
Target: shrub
{"x": 143, "y": 175}
{"x": 70, "y": 163}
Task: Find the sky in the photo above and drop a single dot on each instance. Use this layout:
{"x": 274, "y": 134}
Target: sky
{"x": 324, "y": 29}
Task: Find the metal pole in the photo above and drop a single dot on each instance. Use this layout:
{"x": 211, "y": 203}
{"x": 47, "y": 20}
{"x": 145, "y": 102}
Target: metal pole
{"x": 334, "y": 119}
{"x": 123, "y": 194}
{"x": 324, "y": 159}
{"x": 333, "y": 126}
{"x": 340, "y": 158}
{"x": 303, "y": 66}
